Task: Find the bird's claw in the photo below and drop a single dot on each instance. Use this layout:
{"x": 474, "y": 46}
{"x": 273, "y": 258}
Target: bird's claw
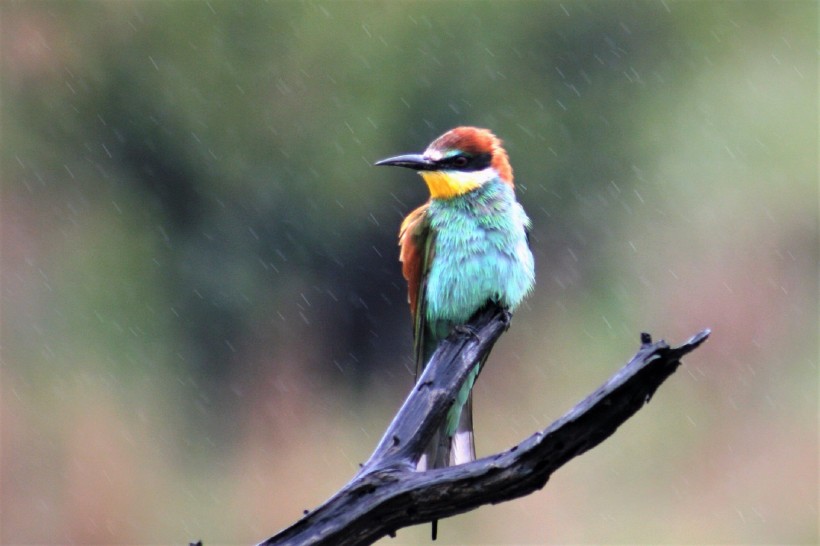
{"x": 506, "y": 316}
{"x": 468, "y": 330}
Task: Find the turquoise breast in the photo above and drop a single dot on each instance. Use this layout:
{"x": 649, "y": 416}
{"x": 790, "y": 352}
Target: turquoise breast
{"x": 480, "y": 253}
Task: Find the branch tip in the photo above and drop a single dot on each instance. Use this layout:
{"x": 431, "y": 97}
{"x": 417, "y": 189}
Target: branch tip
{"x": 699, "y": 338}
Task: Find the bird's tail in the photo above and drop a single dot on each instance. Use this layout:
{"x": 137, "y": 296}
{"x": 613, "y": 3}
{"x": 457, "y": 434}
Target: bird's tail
{"x": 446, "y": 450}
{"x": 462, "y": 443}
{"x": 454, "y": 442}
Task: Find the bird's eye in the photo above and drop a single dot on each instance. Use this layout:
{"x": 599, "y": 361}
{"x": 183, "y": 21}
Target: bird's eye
{"x": 460, "y": 161}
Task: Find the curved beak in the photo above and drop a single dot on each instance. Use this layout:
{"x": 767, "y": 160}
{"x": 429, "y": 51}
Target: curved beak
{"x": 416, "y": 162}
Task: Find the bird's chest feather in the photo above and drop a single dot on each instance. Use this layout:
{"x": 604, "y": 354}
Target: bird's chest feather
{"x": 480, "y": 253}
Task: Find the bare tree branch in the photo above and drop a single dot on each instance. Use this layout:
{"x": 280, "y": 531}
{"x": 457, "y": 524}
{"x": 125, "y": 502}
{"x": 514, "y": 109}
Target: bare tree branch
{"x": 388, "y": 493}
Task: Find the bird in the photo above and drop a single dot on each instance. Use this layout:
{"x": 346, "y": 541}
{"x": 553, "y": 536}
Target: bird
{"x": 466, "y": 247}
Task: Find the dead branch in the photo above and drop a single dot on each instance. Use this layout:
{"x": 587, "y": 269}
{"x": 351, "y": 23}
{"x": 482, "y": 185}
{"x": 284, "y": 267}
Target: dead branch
{"x": 388, "y": 494}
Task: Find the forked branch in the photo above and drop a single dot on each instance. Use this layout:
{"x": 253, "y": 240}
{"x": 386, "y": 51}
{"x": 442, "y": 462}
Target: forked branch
{"x": 388, "y": 493}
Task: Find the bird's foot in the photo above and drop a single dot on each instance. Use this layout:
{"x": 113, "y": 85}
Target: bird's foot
{"x": 506, "y": 316}
{"x": 467, "y": 330}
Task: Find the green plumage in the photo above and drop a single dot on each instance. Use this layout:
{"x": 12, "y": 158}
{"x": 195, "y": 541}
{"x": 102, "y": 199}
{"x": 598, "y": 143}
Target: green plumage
{"x": 475, "y": 251}
{"x": 464, "y": 248}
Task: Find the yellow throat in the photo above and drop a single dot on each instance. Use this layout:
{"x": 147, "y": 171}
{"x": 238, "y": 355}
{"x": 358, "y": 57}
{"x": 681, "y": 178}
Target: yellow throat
{"x": 446, "y": 185}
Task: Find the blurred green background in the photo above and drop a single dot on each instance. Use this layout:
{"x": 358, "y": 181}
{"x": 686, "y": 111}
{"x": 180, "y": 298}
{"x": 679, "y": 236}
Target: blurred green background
{"x": 204, "y": 324}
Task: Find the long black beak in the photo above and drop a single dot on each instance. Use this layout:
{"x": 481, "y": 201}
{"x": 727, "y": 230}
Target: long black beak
{"x": 416, "y": 162}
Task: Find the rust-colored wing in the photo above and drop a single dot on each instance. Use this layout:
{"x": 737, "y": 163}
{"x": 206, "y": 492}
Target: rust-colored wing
{"x": 416, "y": 243}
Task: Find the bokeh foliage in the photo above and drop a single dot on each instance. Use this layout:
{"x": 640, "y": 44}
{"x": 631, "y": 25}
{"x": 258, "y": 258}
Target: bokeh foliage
{"x": 204, "y": 326}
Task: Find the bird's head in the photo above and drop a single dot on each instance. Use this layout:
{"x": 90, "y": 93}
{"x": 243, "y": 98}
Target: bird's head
{"x": 458, "y": 161}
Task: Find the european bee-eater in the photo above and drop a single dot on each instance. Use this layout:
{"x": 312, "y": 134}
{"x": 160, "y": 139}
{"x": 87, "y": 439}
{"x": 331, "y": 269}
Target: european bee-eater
{"x": 465, "y": 247}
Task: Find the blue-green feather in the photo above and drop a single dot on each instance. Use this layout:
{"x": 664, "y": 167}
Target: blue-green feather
{"x": 481, "y": 254}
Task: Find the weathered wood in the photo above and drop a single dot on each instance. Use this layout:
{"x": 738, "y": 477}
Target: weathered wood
{"x": 388, "y": 493}
{"x": 424, "y": 409}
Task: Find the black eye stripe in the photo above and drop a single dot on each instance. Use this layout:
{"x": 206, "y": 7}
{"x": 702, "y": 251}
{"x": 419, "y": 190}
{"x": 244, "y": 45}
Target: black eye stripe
{"x": 477, "y": 162}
